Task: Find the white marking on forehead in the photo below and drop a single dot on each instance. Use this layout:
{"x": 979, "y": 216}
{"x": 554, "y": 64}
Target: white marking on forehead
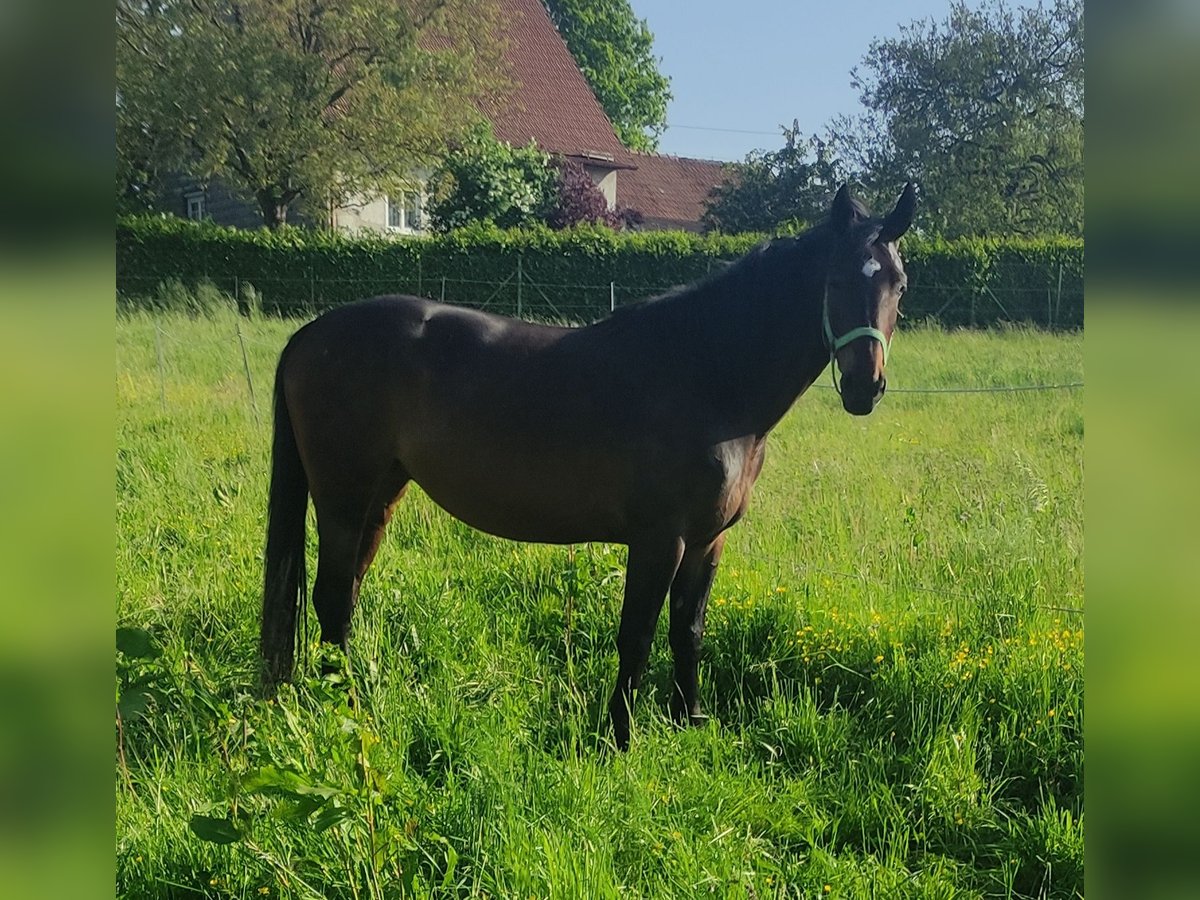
{"x": 871, "y": 266}
{"x": 894, "y": 257}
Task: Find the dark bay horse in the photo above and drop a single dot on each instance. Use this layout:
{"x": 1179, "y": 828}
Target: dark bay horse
{"x": 646, "y": 429}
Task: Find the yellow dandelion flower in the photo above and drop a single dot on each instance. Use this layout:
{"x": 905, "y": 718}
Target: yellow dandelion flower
{"x": 1050, "y": 714}
{"x": 879, "y": 658}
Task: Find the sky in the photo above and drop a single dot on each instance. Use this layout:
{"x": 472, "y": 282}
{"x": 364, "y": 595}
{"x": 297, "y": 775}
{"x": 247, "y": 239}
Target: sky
{"x": 754, "y": 65}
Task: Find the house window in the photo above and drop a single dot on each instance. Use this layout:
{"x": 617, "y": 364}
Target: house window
{"x": 195, "y": 206}
{"x": 405, "y": 212}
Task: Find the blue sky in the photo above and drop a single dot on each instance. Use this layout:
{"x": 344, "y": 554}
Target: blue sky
{"x": 753, "y": 65}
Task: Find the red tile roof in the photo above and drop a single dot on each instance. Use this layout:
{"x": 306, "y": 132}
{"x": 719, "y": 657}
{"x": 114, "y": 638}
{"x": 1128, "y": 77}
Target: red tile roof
{"x": 669, "y": 190}
{"x": 551, "y": 102}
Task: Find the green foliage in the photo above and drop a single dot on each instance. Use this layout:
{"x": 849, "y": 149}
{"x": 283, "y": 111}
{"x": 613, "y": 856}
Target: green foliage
{"x": 566, "y": 274}
{"x": 304, "y": 102}
{"x": 615, "y": 51}
{"x": 772, "y": 188}
{"x": 486, "y": 180}
{"x": 892, "y": 665}
{"x": 982, "y": 281}
{"x": 985, "y": 111}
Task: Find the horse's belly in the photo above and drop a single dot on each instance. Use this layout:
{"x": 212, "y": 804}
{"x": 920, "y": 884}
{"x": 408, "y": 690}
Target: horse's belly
{"x": 524, "y": 503}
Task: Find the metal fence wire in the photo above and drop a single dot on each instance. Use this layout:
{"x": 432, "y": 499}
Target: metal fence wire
{"x": 525, "y": 293}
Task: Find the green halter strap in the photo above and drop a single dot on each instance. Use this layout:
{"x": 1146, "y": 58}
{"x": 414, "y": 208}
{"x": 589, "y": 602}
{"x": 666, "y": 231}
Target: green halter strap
{"x": 837, "y": 343}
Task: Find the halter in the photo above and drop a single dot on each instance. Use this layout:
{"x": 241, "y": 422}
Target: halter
{"x": 837, "y": 343}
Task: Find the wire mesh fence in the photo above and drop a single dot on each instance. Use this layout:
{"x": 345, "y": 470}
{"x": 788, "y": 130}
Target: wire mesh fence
{"x": 1053, "y": 299}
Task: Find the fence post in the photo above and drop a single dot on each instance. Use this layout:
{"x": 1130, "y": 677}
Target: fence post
{"x": 1058, "y": 301}
{"x": 442, "y": 296}
{"x": 520, "y": 276}
{"x": 312, "y": 290}
{"x": 420, "y": 292}
{"x": 249, "y": 380}
{"x": 162, "y": 374}
{"x": 612, "y": 296}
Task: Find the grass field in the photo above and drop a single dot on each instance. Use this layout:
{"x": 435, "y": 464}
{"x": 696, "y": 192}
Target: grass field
{"x": 893, "y": 663}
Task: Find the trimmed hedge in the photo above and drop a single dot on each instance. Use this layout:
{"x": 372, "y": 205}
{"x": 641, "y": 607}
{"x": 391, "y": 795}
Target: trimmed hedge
{"x": 571, "y": 275}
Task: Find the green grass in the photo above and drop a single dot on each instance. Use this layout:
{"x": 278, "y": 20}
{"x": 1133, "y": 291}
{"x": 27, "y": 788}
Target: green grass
{"x": 893, "y": 664}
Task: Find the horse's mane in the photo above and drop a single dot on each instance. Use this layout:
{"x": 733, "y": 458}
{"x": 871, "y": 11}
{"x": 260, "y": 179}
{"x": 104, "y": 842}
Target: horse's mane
{"x": 741, "y": 277}
{"x": 711, "y": 307}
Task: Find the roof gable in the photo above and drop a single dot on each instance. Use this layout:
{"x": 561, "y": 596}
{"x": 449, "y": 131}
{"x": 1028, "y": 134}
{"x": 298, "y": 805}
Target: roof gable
{"x": 551, "y": 102}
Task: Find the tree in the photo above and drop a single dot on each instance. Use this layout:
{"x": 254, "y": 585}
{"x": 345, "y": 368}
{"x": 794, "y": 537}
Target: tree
{"x": 300, "y": 101}
{"x": 577, "y": 201}
{"x": 792, "y": 184}
{"x": 615, "y": 51}
{"x": 486, "y": 180}
{"x": 985, "y": 111}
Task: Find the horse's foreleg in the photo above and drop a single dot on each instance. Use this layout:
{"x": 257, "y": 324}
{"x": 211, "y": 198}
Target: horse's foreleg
{"x": 651, "y": 569}
{"x": 689, "y": 602}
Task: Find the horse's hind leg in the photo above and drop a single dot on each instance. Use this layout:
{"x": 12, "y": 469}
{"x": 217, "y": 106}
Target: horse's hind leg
{"x": 336, "y": 587}
{"x": 349, "y": 535}
{"x": 393, "y": 488}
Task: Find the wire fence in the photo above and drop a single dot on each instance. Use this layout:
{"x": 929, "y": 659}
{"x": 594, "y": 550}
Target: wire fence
{"x": 240, "y": 359}
{"x": 1015, "y": 293}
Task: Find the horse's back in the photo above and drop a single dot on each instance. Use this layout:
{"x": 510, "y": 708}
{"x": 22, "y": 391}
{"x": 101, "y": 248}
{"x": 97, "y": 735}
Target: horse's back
{"x": 502, "y": 422}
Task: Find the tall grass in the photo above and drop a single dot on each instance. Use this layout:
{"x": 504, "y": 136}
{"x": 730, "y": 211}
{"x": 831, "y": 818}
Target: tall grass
{"x": 893, "y": 664}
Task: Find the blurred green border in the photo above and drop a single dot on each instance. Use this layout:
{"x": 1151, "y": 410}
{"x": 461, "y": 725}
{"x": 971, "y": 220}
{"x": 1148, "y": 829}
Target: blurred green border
{"x": 1143, "y": 449}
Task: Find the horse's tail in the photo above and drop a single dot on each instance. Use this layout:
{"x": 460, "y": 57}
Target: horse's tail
{"x": 284, "y": 587}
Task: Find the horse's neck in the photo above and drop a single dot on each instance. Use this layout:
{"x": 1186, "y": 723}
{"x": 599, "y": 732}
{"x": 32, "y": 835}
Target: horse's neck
{"x": 798, "y": 359}
{"x": 772, "y": 363}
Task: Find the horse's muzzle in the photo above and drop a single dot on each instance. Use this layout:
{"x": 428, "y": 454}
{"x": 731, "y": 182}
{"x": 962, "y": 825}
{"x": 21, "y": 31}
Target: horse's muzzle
{"x": 859, "y": 397}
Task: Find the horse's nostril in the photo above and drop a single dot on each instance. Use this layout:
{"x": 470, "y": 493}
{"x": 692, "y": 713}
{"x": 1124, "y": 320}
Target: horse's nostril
{"x": 882, "y": 386}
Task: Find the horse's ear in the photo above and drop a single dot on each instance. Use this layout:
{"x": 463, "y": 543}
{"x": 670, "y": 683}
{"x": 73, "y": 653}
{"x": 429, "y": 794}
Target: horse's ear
{"x": 900, "y": 218}
{"x": 841, "y": 214}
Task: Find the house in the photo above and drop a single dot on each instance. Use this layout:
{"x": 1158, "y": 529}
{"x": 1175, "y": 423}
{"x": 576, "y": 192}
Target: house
{"x": 551, "y": 104}
{"x": 669, "y": 191}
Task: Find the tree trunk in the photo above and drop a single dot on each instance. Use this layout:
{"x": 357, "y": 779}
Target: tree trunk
{"x": 274, "y": 209}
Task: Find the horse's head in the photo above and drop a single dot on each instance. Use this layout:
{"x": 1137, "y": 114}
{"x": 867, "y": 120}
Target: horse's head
{"x": 862, "y": 295}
